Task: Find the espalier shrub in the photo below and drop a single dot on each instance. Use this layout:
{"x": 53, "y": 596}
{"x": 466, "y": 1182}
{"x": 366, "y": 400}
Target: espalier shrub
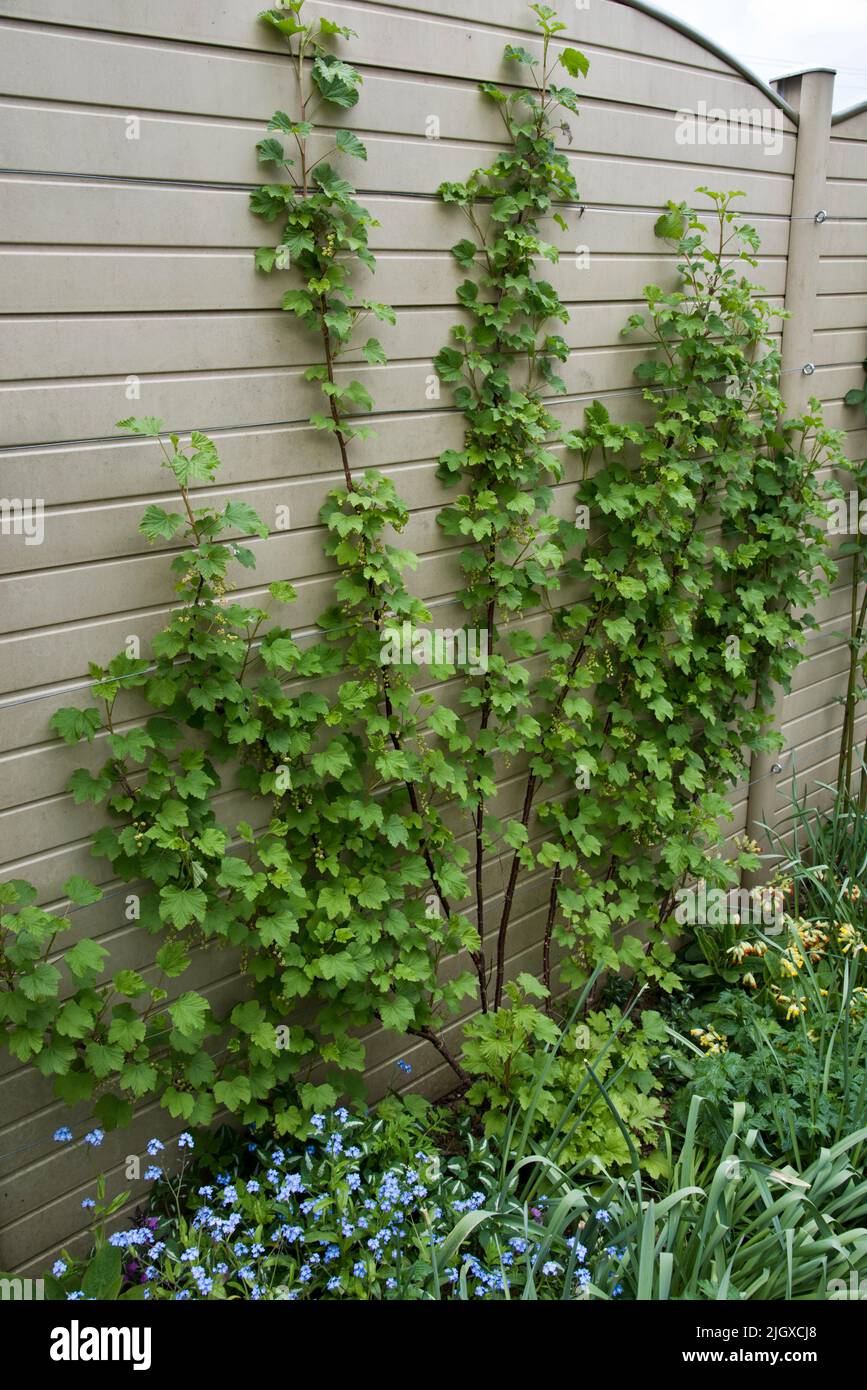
{"x": 621, "y": 673}
{"x": 654, "y": 685}
{"x": 327, "y": 896}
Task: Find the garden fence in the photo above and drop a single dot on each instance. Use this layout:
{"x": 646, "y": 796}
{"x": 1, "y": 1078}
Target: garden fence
{"x": 127, "y": 287}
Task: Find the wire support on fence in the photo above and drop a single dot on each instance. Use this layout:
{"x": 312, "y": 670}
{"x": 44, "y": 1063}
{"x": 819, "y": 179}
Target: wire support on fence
{"x": 395, "y": 195}
{"x": 571, "y": 398}
{"x": 649, "y": 212}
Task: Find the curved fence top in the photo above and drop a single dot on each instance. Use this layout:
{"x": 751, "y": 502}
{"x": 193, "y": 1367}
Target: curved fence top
{"x": 716, "y": 49}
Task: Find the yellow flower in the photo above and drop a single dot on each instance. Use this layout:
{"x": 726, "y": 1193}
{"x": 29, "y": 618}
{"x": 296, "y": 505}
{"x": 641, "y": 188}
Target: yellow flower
{"x": 848, "y": 938}
{"x": 710, "y": 1039}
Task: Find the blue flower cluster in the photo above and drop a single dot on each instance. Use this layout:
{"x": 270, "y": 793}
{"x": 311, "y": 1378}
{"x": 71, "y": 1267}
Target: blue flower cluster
{"x": 322, "y": 1219}
{"x": 510, "y": 1261}
{"x": 64, "y": 1135}
{"x": 351, "y": 1212}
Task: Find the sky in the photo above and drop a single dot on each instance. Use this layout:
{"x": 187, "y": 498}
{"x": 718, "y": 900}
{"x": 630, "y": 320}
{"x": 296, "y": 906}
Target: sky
{"x": 776, "y": 37}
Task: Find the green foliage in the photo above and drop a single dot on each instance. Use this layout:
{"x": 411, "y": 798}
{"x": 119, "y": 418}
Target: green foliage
{"x": 217, "y": 701}
{"x": 797, "y": 1098}
{"x": 821, "y": 856}
{"x": 100, "y": 1275}
{"x": 693, "y": 533}
{"x": 506, "y": 517}
{"x": 714, "y": 1224}
{"x": 341, "y": 914}
{"x": 387, "y": 1206}
{"x": 528, "y": 1070}
{"x": 688, "y": 615}
{"x": 727, "y": 1225}
{"x": 323, "y": 228}
{"x": 390, "y": 1204}
{"x": 858, "y": 395}
{"x": 367, "y": 825}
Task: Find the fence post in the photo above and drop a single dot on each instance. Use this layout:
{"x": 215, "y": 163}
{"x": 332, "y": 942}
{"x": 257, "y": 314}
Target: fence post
{"x": 811, "y": 94}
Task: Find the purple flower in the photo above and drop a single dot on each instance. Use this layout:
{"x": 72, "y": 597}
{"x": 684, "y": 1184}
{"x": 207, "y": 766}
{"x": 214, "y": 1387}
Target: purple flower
{"x": 186, "y": 1141}
{"x": 62, "y": 1135}
{"x": 94, "y": 1137}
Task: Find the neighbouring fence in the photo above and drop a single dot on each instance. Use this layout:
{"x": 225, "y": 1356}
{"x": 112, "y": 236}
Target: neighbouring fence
{"x": 127, "y": 286}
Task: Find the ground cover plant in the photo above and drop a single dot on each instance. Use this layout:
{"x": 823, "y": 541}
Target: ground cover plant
{"x": 361, "y": 1212}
